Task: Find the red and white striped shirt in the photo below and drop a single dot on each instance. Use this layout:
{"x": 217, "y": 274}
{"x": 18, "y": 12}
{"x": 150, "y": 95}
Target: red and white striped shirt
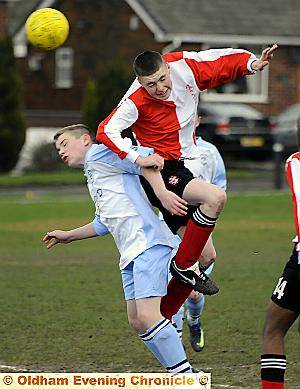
{"x": 293, "y": 178}
{"x": 168, "y": 125}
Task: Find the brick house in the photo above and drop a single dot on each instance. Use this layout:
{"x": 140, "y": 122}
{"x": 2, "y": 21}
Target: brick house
{"x": 104, "y": 30}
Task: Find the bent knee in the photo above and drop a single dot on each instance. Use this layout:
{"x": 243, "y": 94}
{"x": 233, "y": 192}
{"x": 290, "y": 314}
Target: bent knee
{"x": 134, "y": 322}
{"x": 145, "y": 319}
{"x": 216, "y": 200}
{"x": 219, "y": 197}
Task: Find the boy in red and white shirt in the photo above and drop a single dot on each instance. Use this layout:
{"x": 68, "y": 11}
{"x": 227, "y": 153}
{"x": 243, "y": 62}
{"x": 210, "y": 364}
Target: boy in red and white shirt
{"x": 161, "y": 107}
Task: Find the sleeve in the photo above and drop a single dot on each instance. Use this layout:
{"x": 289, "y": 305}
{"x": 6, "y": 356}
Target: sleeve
{"x": 99, "y": 227}
{"x": 143, "y": 151}
{"x": 293, "y": 178}
{"x": 126, "y": 166}
{"x": 123, "y": 165}
{"x": 109, "y": 130}
{"x": 218, "y": 66}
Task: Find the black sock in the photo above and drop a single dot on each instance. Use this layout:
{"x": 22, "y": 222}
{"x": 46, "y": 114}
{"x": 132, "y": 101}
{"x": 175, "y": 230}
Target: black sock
{"x": 273, "y": 367}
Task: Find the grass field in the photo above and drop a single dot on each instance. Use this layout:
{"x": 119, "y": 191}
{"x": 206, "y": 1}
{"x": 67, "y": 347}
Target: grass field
{"x": 63, "y": 309}
{"x": 75, "y": 177}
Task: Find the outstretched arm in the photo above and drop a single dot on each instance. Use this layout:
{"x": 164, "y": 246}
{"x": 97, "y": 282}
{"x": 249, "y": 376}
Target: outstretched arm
{"x": 264, "y": 60}
{"x": 173, "y": 203}
{"x": 58, "y": 236}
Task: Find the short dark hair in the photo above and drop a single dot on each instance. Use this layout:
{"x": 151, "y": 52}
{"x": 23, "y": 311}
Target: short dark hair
{"x": 77, "y": 130}
{"x": 147, "y": 63}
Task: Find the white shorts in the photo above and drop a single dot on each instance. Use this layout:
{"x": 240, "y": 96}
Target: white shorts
{"x": 147, "y": 275}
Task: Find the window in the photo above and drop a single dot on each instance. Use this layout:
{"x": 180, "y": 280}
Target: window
{"x": 249, "y": 89}
{"x": 64, "y": 60}
{"x": 134, "y": 23}
{"x": 35, "y": 61}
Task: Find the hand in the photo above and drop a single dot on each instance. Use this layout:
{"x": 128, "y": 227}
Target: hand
{"x": 153, "y": 160}
{"x": 265, "y": 57}
{"x": 173, "y": 203}
{"x": 56, "y": 236}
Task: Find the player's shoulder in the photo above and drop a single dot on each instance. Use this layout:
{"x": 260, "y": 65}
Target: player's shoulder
{"x": 173, "y": 57}
{"x": 294, "y": 156}
{"x": 96, "y": 152}
{"x": 137, "y": 94}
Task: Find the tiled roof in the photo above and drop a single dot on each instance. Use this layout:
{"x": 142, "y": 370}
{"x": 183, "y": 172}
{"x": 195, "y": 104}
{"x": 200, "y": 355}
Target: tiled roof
{"x": 200, "y": 19}
{"x": 270, "y": 18}
{"x": 18, "y": 11}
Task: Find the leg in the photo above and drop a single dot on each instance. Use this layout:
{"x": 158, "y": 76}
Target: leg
{"x": 198, "y": 230}
{"x": 148, "y": 312}
{"x": 195, "y": 302}
{"x": 177, "y": 292}
{"x": 132, "y": 315}
{"x": 178, "y": 320}
{"x": 195, "y": 305}
{"x": 201, "y": 224}
{"x": 160, "y": 336}
{"x": 283, "y": 310}
{"x": 278, "y": 322}
{"x": 150, "y": 275}
{"x": 273, "y": 359}
{"x": 208, "y": 255}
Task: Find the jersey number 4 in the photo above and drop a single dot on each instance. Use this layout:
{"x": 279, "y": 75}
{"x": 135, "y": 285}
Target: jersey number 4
{"x": 279, "y": 290}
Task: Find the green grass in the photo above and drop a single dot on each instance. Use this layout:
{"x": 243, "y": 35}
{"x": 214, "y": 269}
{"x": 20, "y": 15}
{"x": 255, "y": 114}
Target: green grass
{"x": 72, "y": 177}
{"x": 63, "y": 309}
{"x": 75, "y": 177}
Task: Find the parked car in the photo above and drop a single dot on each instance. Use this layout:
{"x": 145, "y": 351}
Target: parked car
{"x": 236, "y": 128}
{"x": 285, "y": 128}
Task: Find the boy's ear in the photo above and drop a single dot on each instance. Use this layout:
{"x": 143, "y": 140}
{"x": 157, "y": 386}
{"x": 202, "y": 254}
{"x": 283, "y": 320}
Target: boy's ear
{"x": 86, "y": 139}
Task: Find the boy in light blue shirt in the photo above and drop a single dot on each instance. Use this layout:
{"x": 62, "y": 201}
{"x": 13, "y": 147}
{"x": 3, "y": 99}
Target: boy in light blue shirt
{"x": 145, "y": 244}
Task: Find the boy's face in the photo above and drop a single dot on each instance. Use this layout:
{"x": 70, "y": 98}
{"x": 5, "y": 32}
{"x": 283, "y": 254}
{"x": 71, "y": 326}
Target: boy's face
{"x": 158, "y": 84}
{"x": 72, "y": 150}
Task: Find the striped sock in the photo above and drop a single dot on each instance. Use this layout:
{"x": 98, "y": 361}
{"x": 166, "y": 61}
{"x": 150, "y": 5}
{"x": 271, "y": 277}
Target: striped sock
{"x": 272, "y": 371}
{"x": 197, "y": 231}
{"x": 163, "y": 341}
{"x": 194, "y": 310}
{"x": 203, "y": 220}
{"x": 177, "y": 321}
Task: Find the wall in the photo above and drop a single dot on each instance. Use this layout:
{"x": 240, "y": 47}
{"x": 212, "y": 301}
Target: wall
{"x": 99, "y": 33}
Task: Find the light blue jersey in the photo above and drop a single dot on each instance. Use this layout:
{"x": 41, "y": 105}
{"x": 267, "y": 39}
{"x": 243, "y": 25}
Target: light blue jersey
{"x": 208, "y": 165}
{"x": 122, "y": 207}
{"x": 219, "y": 176}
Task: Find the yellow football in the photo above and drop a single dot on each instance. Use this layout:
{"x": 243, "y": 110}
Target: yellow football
{"x": 47, "y": 28}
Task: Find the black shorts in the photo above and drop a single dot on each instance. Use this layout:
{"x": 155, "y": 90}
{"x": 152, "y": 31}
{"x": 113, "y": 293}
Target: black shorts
{"x": 176, "y": 177}
{"x": 287, "y": 291}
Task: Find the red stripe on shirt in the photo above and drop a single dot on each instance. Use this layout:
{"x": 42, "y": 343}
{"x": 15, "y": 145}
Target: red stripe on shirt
{"x": 103, "y": 138}
{"x": 209, "y": 74}
{"x": 172, "y": 57}
{"x": 157, "y": 125}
